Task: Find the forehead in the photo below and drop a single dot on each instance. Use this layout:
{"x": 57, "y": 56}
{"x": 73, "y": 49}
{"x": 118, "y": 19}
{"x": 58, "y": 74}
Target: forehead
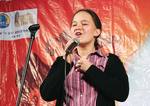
{"x": 82, "y": 15}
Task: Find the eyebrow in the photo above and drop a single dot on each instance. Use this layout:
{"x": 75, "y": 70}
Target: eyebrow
{"x": 81, "y": 21}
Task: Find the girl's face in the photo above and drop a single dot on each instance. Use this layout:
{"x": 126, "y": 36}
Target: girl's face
{"x": 84, "y": 29}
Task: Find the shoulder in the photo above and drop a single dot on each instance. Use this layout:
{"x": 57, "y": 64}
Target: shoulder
{"x": 114, "y": 65}
{"x": 59, "y": 59}
{"x": 112, "y": 58}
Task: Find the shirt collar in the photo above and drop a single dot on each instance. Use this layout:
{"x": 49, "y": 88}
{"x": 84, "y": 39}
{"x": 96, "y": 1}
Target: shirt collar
{"x": 96, "y": 52}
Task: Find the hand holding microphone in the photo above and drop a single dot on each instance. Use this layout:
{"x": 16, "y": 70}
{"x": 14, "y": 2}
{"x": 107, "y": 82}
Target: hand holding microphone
{"x": 70, "y": 46}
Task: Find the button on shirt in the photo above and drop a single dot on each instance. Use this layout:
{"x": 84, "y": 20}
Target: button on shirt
{"x": 78, "y": 91}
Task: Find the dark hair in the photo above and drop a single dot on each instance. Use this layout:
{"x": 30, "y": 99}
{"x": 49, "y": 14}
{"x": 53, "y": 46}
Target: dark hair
{"x": 96, "y": 21}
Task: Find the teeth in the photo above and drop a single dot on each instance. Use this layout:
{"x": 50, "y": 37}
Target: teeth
{"x": 78, "y": 33}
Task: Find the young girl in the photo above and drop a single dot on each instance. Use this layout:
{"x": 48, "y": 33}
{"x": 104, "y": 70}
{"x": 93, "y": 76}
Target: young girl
{"x": 87, "y": 77}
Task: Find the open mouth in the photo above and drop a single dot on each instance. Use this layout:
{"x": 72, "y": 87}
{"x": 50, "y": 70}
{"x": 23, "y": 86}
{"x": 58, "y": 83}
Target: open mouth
{"x": 78, "y": 34}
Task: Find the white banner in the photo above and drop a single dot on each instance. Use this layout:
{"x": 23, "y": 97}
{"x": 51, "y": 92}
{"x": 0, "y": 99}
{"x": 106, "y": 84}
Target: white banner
{"x": 14, "y": 25}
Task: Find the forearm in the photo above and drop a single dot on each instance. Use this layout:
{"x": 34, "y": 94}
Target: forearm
{"x": 112, "y": 87}
{"x": 113, "y": 82}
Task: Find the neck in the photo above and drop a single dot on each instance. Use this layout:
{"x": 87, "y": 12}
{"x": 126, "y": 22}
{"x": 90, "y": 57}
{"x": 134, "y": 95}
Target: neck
{"x": 86, "y": 50}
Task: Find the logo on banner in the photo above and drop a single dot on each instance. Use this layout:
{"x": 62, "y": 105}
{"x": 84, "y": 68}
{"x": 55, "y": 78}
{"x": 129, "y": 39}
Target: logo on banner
{"x": 14, "y": 25}
{"x": 4, "y": 20}
{"x": 24, "y": 19}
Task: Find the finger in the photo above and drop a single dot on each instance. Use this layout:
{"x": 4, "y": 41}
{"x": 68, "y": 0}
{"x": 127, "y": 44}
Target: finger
{"x": 79, "y": 61}
{"x": 78, "y": 65}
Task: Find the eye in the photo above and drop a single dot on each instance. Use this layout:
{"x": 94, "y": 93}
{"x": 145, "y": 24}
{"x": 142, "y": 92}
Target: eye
{"x": 84, "y": 24}
{"x": 74, "y": 24}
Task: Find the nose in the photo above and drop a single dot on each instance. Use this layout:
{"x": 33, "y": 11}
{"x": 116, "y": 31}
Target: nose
{"x": 78, "y": 27}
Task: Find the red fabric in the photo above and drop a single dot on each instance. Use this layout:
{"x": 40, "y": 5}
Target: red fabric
{"x": 125, "y": 28}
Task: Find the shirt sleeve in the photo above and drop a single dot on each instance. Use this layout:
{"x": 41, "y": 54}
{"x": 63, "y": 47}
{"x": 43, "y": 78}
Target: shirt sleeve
{"x": 113, "y": 82}
{"x": 52, "y": 86}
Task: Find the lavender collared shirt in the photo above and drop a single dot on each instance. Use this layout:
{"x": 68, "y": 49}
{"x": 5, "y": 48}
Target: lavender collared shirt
{"x": 79, "y": 92}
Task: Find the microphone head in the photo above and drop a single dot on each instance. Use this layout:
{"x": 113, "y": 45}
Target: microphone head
{"x": 75, "y": 43}
{"x": 33, "y": 29}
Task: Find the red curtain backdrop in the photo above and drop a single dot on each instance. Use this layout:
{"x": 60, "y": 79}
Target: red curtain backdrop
{"x": 126, "y": 27}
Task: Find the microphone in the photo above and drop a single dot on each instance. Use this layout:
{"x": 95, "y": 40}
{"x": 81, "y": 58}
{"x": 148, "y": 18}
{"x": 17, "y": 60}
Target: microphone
{"x": 72, "y": 46}
{"x": 33, "y": 29}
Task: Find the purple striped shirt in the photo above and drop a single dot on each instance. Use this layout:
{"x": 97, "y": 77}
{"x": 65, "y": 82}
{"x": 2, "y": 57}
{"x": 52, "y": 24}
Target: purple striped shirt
{"x": 79, "y": 92}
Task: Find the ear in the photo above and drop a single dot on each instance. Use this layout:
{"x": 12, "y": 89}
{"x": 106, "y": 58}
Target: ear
{"x": 97, "y": 32}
